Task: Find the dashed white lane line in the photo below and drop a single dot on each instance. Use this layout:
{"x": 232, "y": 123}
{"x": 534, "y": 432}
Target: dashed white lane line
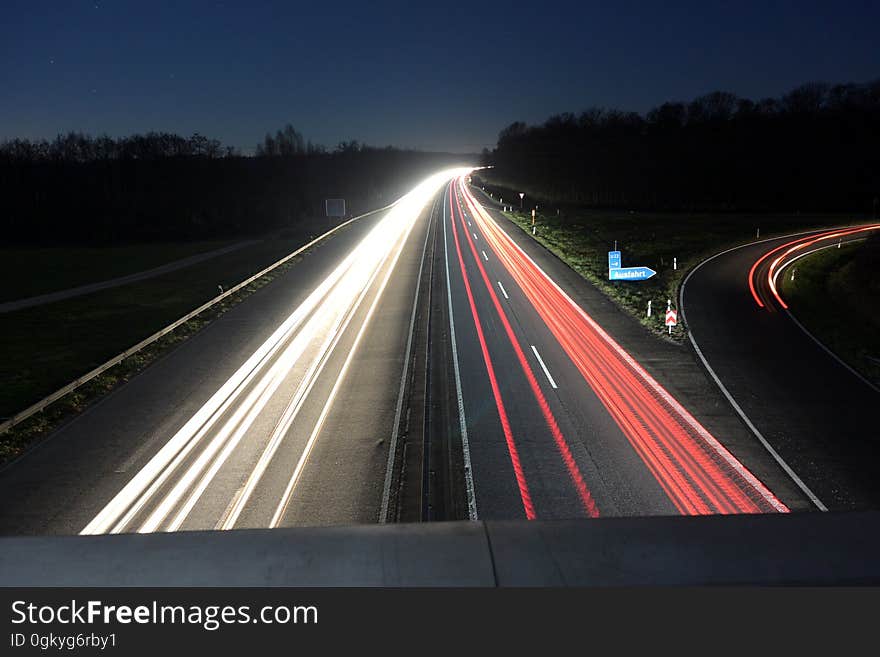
{"x": 503, "y": 291}
{"x": 485, "y": 257}
{"x": 544, "y": 367}
{"x": 475, "y": 236}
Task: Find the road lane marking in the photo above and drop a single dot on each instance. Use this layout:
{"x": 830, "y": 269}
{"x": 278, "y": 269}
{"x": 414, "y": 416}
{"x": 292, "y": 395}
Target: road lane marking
{"x": 258, "y": 369}
{"x": 279, "y": 432}
{"x": 475, "y": 236}
{"x": 645, "y": 379}
{"x": 199, "y": 476}
{"x": 804, "y": 328}
{"x": 116, "y": 515}
{"x": 485, "y": 256}
{"x": 503, "y": 291}
{"x": 286, "y": 498}
{"x": 465, "y": 444}
{"x": 544, "y": 367}
{"x": 562, "y": 445}
{"x": 776, "y": 456}
{"x": 516, "y": 464}
{"x": 398, "y": 411}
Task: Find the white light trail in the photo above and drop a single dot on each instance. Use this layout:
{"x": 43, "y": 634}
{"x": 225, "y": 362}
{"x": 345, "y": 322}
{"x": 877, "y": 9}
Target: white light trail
{"x": 218, "y": 427}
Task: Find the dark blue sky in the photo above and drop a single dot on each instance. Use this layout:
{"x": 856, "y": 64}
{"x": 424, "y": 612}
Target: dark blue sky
{"x": 434, "y": 75}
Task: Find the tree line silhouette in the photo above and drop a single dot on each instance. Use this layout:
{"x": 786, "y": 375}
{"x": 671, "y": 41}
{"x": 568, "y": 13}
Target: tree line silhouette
{"x": 160, "y": 186}
{"x": 816, "y": 148}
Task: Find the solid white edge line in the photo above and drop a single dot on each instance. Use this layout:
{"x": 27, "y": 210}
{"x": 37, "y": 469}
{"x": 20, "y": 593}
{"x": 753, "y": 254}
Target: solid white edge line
{"x": 812, "y": 337}
{"x": 736, "y": 407}
{"x": 465, "y": 445}
{"x": 544, "y": 367}
{"x": 503, "y": 291}
{"x": 398, "y": 411}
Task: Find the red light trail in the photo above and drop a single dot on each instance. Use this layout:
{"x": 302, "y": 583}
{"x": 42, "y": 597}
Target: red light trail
{"x": 788, "y": 249}
{"x": 565, "y": 452}
{"x": 524, "y": 493}
{"x": 698, "y": 474}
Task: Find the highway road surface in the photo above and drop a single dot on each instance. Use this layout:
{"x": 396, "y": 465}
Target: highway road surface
{"x": 813, "y": 411}
{"x": 418, "y": 365}
{"x": 561, "y": 420}
{"x": 233, "y": 428}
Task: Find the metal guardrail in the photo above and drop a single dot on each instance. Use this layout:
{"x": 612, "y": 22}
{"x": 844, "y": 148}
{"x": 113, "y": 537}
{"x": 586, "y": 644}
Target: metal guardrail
{"x": 85, "y": 378}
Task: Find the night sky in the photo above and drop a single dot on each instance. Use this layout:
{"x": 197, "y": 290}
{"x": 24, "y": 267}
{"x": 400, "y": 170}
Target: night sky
{"x": 438, "y": 76}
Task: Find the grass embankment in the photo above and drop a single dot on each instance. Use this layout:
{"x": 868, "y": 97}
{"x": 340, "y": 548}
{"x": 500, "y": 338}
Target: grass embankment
{"x": 33, "y": 271}
{"x": 46, "y": 347}
{"x": 835, "y": 294}
{"x": 583, "y": 237}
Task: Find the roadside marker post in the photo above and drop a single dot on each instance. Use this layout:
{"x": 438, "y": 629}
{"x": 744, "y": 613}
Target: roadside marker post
{"x": 671, "y": 317}
{"x": 649, "y": 307}
{"x": 675, "y": 263}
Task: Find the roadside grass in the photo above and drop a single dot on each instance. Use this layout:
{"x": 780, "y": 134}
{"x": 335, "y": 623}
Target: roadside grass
{"x": 29, "y": 272}
{"x": 582, "y": 238}
{"x": 835, "y": 294}
{"x": 46, "y": 347}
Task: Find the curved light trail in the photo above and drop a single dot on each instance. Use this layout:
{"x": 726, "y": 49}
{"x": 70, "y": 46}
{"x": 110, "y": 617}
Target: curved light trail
{"x": 795, "y": 247}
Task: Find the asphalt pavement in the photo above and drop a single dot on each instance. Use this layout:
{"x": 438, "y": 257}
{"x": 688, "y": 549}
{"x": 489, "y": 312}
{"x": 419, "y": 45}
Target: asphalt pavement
{"x": 561, "y": 419}
{"x": 64, "y": 484}
{"x": 818, "y": 415}
{"x": 431, "y": 350}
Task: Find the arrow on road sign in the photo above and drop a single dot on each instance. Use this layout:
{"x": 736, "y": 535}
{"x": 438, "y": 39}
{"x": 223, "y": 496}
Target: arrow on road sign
{"x": 630, "y": 273}
{"x": 671, "y": 317}
{"x": 614, "y": 260}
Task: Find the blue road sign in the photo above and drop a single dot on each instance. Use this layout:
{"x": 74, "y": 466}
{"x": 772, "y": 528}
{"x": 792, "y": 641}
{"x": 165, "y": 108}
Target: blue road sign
{"x": 630, "y": 273}
{"x": 614, "y": 260}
